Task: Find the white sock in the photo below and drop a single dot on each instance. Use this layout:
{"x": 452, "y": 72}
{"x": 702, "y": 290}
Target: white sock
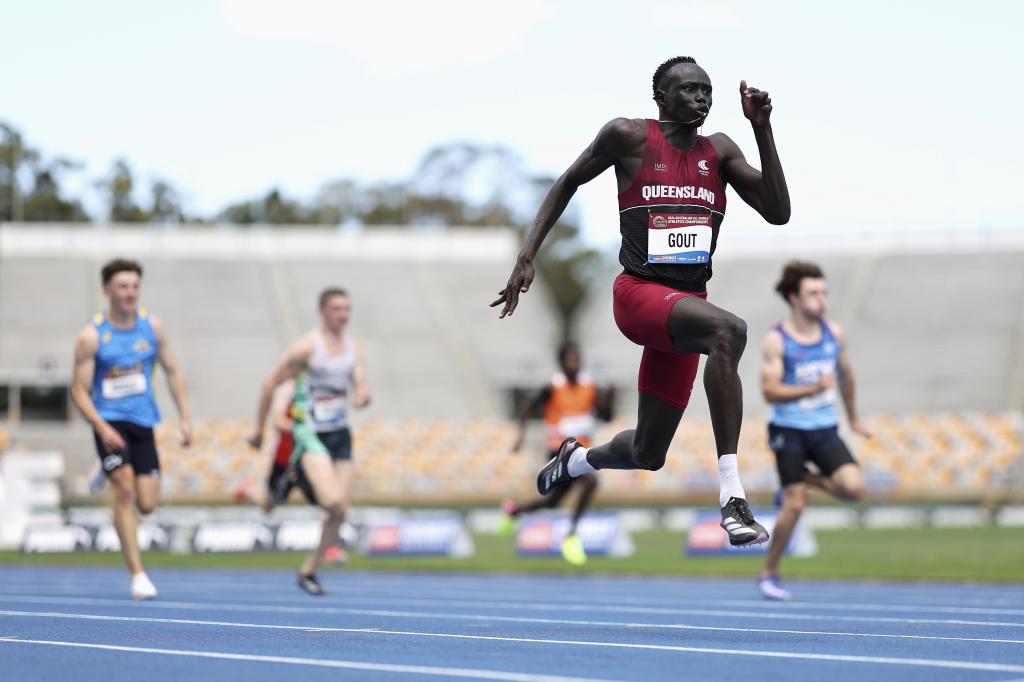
{"x": 578, "y": 464}
{"x": 728, "y": 479}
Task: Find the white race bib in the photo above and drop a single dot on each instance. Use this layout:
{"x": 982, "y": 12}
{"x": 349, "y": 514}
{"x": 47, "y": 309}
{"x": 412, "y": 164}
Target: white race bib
{"x": 330, "y": 410}
{"x": 813, "y": 402}
{"x": 124, "y": 385}
{"x": 577, "y": 426}
{"x": 681, "y": 238}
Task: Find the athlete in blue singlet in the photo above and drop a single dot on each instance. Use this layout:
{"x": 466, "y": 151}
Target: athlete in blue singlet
{"x": 113, "y": 389}
{"x": 804, "y": 362}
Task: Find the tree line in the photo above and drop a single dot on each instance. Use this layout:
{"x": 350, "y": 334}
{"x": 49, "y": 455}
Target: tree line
{"x": 456, "y": 184}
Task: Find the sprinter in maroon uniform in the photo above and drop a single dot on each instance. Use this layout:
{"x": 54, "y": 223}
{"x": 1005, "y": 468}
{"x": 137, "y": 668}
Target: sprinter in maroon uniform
{"x": 671, "y": 205}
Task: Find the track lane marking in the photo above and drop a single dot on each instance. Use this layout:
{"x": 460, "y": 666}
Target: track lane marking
{"x": 482, "y": 605}
{"x": 439, "y": 671}
{"x": 789, "y": 655}
{"x": 486, "y": 618}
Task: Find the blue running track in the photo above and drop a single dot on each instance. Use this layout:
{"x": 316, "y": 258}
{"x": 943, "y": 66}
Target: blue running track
{"x": 70, "y": 625}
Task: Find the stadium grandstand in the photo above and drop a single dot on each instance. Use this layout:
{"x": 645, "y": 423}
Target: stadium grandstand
{"x": 940, "y": 366}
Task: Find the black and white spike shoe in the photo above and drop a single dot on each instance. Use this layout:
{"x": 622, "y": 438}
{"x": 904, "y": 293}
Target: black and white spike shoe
{"x": 739, "y": 524}
{"x": 311, "y": 585}
{"x": 555, "y": 473}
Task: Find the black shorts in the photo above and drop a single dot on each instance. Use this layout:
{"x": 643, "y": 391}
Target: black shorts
{"x": 281, "y": 482}
{"x": 140, "y": 450}
{"x": 338, "y": 443}
{"x": 794, "y": 447}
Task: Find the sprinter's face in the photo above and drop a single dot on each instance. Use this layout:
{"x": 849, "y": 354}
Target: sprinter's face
{"x": 812, "y": 299}
{"x": 123, "y": 292}
{"x": 335, "y": 313}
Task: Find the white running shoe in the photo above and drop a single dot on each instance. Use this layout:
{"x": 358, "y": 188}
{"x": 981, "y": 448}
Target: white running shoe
{"x": 142, "y": 587}
{"x": 771, "y": 588}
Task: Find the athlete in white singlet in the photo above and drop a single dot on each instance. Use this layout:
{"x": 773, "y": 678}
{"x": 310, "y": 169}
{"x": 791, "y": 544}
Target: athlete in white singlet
{"x": 332, "y": 363}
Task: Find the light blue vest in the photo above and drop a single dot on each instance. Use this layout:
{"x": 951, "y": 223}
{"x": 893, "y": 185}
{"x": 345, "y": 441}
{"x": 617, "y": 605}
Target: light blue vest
{"x": 805, "y": 365}
{"x": 122, "y": 385}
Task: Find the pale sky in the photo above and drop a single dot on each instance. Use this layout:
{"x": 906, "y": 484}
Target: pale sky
{"x": 901, "y": 115}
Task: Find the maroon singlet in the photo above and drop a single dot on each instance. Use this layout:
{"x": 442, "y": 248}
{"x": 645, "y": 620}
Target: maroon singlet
{"x": 671, "y": 181}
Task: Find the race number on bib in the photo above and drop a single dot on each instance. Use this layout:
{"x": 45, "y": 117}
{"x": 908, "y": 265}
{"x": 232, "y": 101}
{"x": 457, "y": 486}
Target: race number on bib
{"x": 124, "y": 385}
{"x": 679, "y": 238}
{"x": 577, "y": 425}
{"x": 823, "y": 399}
{"x": 330, "y": 410}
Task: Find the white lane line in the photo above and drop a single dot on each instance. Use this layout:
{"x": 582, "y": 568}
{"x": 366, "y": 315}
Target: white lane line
{"x": 485, "y": 606}
{"x": 514, "y": 583}
{"x": 860, "y": 606}
{"x": 376, "y": 577}
{"x": 355, "y": 587}
{"x": 791, "y": 655}
{"x": 472, "y": 673}
{"x": 504, "y": 619}
{"x": 636, "y": 604}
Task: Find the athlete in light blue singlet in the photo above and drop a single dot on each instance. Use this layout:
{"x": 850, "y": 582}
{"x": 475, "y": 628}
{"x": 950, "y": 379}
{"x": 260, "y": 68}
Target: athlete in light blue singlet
{"x": 113, "y": 389}
{"x": 804, "y": 370}
{"x": 122, "y": 387}
{"x": 805, "y": 365}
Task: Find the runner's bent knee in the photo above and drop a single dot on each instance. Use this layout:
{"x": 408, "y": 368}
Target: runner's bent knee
{"x": 730, "y": 335}
{"x": 649, "y": 458}
{"x": 794, "y": 498}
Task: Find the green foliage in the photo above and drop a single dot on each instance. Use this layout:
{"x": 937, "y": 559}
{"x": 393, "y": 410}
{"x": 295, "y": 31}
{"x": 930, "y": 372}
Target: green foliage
{"x": 273, "y": 209}
{"x": 44, "y": 202}
{"x": 30, "y": 184}
{"x": 165, "y": 206}
{"x": 119, "y": 188}
{"x": 456, "y": 184}
{"x": 33, "y": 188}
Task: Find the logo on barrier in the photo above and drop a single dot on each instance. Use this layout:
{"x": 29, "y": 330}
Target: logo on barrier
{"x": 298, "y": 536}
{"x": 52, "y": 539}
{"x": 443, "y": 536}
{"x": 602, "y": 534}
{"x": 151, "y": 536}
{"x": 232, "y": 537}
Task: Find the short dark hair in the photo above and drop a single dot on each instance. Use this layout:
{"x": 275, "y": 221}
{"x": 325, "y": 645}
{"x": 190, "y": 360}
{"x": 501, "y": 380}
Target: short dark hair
{"x": 329, "y": 293}
{"x": 795, "y": 272}
{"x": 565, "y": 349}
{"x": 119, "y": 265}
{"x": 662, "y": 69}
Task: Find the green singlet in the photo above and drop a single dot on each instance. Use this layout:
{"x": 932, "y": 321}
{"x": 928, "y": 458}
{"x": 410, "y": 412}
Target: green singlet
{"x": 305, "y": 436}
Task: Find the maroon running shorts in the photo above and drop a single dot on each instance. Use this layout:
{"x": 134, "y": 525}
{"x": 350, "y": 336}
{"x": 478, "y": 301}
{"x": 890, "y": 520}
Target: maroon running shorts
{"x": 641, "y": 313}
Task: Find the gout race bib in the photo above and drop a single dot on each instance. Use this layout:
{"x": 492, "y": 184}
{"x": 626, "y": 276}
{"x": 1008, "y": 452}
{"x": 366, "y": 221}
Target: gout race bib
{"x": 682, "y": 238}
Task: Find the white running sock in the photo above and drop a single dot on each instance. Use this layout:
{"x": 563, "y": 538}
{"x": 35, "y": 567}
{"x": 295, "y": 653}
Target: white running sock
{"x": 728, "y": 479}
{"x": 578, "y": 464}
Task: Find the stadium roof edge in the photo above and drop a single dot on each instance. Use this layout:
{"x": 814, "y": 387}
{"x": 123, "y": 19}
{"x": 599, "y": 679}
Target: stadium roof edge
{"x": 228, "y": 242}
